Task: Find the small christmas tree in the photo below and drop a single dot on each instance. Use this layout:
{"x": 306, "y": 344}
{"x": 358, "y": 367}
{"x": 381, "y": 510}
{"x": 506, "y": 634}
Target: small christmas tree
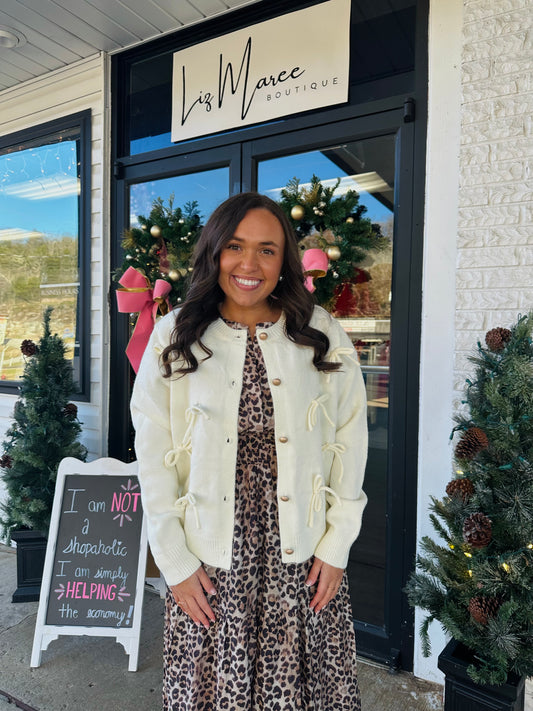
{"x": 335, "y": 224}
{"x": 45, "y": 430}
{"x": 479, "y": 583}
{"x": 162, "y": 247}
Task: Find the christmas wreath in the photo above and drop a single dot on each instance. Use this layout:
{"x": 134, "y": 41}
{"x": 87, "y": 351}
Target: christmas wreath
{"x": 336, "y": 225}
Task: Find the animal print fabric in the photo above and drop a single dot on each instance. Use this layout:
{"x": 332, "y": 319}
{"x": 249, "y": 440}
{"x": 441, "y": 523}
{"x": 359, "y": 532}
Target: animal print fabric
{"x": 267, "y": 651}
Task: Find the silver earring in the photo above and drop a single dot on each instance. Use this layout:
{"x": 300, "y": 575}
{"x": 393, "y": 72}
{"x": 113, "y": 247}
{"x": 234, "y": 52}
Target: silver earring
{"x": 280, "y": 277}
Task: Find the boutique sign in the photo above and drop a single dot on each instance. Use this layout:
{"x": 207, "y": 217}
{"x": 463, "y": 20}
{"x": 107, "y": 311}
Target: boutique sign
{"x": 293, "y": 63}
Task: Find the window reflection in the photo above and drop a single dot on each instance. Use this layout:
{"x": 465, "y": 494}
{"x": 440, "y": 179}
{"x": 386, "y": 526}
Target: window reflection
{"x": 39, "y": 244}
{"x": 208, "y": 188}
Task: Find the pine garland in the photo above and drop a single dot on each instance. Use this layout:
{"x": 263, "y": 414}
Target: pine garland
{"x": 324, "y": 220}
{"x": 162, "y": 247}
{"x": 478, "y": 583}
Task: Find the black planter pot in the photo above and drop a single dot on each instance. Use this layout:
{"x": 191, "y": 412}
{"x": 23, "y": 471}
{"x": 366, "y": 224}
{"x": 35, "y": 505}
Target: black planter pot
{"x": 31, "y": 552}
{"x": 463, "y": 694}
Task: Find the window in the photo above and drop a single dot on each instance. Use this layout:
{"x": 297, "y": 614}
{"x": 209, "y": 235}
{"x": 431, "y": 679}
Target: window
{"x": 44, "y": 242}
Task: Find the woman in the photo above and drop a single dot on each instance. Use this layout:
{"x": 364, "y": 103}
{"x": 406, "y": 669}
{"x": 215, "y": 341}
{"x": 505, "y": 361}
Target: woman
{"x": 250, "y": 417}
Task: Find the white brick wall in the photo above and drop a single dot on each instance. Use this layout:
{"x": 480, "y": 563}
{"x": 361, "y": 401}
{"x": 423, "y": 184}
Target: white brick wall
{"x": 495, "y": 237}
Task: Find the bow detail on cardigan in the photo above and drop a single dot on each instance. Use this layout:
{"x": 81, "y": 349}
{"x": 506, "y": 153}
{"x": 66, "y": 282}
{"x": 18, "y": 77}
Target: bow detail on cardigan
{"x": 334, "y": 356}
{"x": 191, "y": 415}
{"x": 338, "y": 450}
{"x": 183, "y": 502}
{"x": 316, "y": 499}
{"x": 313, "y": 408}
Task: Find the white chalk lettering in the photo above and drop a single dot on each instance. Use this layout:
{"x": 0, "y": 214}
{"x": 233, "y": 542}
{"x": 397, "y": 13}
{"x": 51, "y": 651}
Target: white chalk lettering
{"x": 96, "y": 506}
{"x": 73, "y": 492}
{"x": 112, "y": 575}
{"x": 62, "y": 563}
{"x": 86, "y": 549}
{"x": 67, "y": 611}
{"x": 106, "y": 615}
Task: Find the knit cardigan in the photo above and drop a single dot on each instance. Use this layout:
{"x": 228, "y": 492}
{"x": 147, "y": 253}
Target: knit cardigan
{"x": 186, "y": 445}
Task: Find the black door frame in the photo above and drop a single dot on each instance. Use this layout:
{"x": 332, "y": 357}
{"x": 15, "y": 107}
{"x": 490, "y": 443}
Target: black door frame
{"x": 385, "y": 644}
{"x": 394, "y": 648}
{"x": 388, "y": 644}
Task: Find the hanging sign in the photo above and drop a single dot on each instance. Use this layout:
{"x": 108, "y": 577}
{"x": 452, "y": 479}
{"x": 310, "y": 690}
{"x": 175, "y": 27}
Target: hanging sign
{"x": 292, "y": 63}
{"x": 93, "y": 579}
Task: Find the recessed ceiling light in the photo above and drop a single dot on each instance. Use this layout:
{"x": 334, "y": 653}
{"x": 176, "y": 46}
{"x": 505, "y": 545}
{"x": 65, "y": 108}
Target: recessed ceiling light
{"x": 9, "y": 38}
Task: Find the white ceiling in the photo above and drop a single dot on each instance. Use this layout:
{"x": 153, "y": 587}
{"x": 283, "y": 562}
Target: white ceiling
{"x": 56, "y": 33}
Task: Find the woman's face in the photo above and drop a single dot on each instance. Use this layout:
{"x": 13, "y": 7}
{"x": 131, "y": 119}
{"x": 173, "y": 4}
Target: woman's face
{"x": 250, "y": 265}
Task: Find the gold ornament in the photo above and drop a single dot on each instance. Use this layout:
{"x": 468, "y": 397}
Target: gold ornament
{"x": 297, "y": 212}
{"x": 155, "y": 231}
{"x": 350, "y": 220}
{"x": 173, "y": 275}
{"x": 333, "y": 252}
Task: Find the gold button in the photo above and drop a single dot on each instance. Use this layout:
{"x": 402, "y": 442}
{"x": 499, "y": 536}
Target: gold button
{"x": 263, "y": 336}
{"x": 284, "y": 498}
{"x": 289, "y": 551}
{"x": 276, "y": 381}
{"x": 283, "y": 439}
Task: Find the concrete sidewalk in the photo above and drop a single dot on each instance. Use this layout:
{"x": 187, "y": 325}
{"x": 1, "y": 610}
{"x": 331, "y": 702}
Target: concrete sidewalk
{"x": 92, "y": 672}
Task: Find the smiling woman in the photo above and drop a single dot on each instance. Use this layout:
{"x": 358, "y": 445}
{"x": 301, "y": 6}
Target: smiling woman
{"x": 250, "y": 268}
{"x": 42, "y": 227}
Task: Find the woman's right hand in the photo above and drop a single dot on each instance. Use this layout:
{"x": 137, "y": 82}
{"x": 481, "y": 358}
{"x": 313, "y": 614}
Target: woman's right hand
{"x": 190, "y": 596}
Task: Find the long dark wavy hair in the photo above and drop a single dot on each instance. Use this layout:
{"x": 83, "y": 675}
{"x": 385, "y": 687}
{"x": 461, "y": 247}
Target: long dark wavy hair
{"x": 201, "y": 306}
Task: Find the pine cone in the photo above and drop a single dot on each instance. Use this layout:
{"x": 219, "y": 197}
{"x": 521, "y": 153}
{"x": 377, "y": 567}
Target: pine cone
{"x": 483, "y": 608}
{"x": 473, "y": 441}
{"x": 6, "y": 462}
{"x": 497, "y": 338}
{"x": 460, "y": 487}
{"x": 28, "y": 348}
{"x": 477, "y": 530}
{"x": 70, "y": 410}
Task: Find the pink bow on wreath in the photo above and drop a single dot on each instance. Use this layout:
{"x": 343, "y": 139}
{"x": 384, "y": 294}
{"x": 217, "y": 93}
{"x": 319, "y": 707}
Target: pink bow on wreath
{"x": 137, "y": 296}
{"x": 314, "y": 264}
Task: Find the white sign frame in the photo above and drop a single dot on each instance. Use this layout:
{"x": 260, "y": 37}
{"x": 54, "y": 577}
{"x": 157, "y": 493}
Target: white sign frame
{"x": 293, "y": 63}
{"x": 44, "y": 633}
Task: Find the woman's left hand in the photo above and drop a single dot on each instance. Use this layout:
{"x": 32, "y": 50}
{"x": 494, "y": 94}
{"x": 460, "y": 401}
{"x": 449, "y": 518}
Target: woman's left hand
{"x": 329, "y": 581}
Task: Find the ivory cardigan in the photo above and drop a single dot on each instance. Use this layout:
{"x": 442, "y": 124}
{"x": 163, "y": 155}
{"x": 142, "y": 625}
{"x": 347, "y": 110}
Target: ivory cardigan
{"x": 186, "y": 445}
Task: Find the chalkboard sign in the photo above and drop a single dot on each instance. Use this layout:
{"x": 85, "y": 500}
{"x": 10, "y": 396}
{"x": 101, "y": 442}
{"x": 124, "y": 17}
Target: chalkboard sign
{"x": 93, "y": 581}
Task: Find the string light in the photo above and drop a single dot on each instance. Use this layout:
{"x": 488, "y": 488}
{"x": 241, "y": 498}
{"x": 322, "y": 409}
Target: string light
{"x": 467, "y": 554}
{"x": 506, "y": 567}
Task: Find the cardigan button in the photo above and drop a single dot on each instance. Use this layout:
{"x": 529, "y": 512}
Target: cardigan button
{"x": 283, "y": 439}
{"x": 284, "y": 498}
{"x": 276, "y": 381}
{"x": 263, "y": 336}
{"x": 289, "y": 551}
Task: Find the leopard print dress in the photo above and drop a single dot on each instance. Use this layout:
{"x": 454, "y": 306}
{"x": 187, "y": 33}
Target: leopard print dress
{"x": 267, "y": 651}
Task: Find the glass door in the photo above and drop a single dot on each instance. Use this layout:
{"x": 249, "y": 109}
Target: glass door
{"x": 198, "y": 182}
{"x": 375, "y": 300}
{"x": 362, "y": 303}
{"x": 362, "y": 296}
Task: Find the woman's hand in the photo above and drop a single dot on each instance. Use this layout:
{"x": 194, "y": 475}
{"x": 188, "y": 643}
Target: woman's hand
{"x": 329, "y": 581}
{"x": 190, "y": 596}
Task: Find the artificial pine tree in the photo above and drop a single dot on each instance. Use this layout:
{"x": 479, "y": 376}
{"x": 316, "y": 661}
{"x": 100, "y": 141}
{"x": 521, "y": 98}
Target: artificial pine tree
{"x": 162, "y": 247}
{"x": 479, "y": 583}
{"x": 335, "y": 224}
{"x": 44, "y": 431}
